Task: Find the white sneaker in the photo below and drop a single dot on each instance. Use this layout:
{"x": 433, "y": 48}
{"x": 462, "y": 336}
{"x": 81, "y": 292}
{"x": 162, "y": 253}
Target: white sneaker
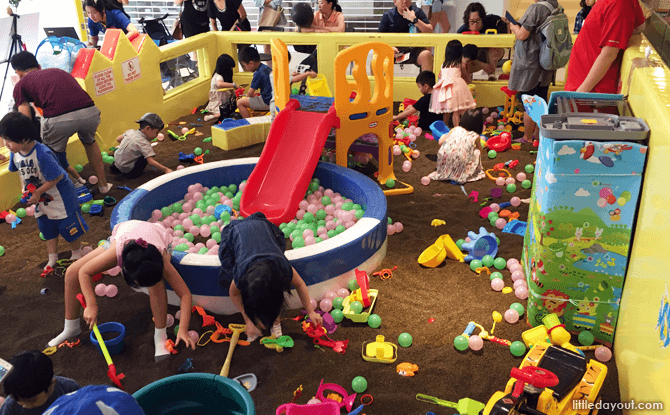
{"x": 276, "y": 330}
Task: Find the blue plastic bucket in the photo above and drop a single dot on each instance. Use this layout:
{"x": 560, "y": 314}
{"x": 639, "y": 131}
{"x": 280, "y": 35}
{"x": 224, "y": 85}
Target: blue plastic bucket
{"x": 115, "y": 345}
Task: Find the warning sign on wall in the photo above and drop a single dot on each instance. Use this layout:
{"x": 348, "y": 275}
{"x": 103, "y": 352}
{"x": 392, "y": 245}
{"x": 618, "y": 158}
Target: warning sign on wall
{"x": 104, "y": 81}
{"x": 131, "y": 70}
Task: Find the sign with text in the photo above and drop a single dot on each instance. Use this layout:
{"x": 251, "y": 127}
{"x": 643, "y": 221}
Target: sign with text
{"x": 131, "y": 70}
{"x": 104, "y": 81}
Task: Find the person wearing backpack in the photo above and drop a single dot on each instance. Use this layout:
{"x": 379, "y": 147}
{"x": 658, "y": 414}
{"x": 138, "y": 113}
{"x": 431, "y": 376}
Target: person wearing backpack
{"x": 595, "y": 63}
{"x": 527, "y": 75}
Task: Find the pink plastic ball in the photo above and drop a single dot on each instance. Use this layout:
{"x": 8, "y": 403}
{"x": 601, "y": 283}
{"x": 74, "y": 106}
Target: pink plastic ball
{"x": 520, "y": 283}
{"x": 199, "y": 245}
{"x": 193, "y": 250}
{"x": 100, "y": 290}
{"x": 242, "y": 186}
{"x": 343, "y": 292}
{"x": 193, "y": 335}
{"x": 398, "y": 135}
{"x": 312, "y": 208}
{"x": 111, "y": 290}
{"x": 93, "y": 179}
{"x": 205, "y": 231}
{"x": 494, "y": 114}
{"x": 348, "y": 224}
{"x": 521, "y": 176}
{"x": 416, "y": 154}
{"x": 197, "y": 211}
{"x": 177, "y": 315}
{"x": 10, "y": 218}
{"x": 310, "y": 240}
{"x": 425, "y": 180}
{"x": 169, "y": 320}
{"x": 515, "y": 201}
{"x": 511, "y": 316}
{"x": 500, "y": 223}
{"x": 192, "y": 188}
{"x": 489, "y": 120}
{"x": 603, "y": 354}
{"x": 197, "y": 196}
{"x": 210, "y": 243}
{"x": 160, "y": 137}
{"x": 510, "y": 180}
{"x": 313, "y": 303}
{"x": 521, "y": 293}
{"x": 178, "y": 234}
{"x": 418, "y": 131}
{"x": 303, "y": 204}
{"x": 331, "y": 295}
{"x": 497, "y": 284}
{"x": 330, "y": 225}
{"x": 210, "y": 210}
{"x": 114, "y": 271}
{"x": 184, "y": 130}
{"x": 85, "y": 250}
{"x": 511, "y": 262}
{"x": 475, "y": 342}
{"x": 485, "y": 110}
{"x": 407, "y": 166}
{"x": 397, "y": 151}
{"x": 326, "y": 305}
{"x": 398, "y": 227}
{"x": 156, "y": 214}
{"x": 515, "y": 267}
{"x": 517, "y": 275}
{"x": 329, "y": 209}
{"x": 390, "y": 230}
{"x": 300, "y": 214}
{"x": 495, "y": 207}
{"x": 500, "y": 181}
{"x": 30, "y": 210}
{"x": 412, "y": 138}
{"x": 313, "y": 401}
{"x": 179, "y": 167}
{"x": 307, "y": 232}
{"x": 194, "y": 230}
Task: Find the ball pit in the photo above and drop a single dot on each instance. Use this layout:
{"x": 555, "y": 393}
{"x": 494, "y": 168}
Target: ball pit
{"x": 325, "y": 266}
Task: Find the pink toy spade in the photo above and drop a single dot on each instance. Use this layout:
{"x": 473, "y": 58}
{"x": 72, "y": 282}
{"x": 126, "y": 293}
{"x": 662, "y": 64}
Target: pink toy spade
{"x": 111, "y": 371}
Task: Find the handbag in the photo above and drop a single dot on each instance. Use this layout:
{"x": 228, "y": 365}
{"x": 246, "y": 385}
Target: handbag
{"x": 270, "y": 16}
{"x": 176, "y": 31}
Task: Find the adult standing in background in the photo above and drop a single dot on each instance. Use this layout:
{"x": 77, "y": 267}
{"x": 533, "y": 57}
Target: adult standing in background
{"x": 193, "y": 18}
{"x": 100, "y": 19}
{"x": 328, "y": 18}
{"x": 436, "y": 12}
{"x": 405, "y": 17}
{"x": 227, "y": 12}
{"x": 596, "y": 55}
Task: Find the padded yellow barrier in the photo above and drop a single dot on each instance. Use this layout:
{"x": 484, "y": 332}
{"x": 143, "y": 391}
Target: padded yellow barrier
{"x": 244, "y": 136}
{"x": 642, "y": 345}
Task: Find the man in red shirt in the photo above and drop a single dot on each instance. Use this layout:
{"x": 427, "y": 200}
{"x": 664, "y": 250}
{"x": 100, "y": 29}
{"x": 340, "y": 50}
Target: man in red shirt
{"x": 595, "y": 60}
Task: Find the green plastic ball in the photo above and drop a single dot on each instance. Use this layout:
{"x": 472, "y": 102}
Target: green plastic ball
{"x": 492, "y": 216}
{"x": 195, "y": 219}
{"x": 104, "y": 154}
{"x": 492, "y": 154}
{"x": 318, "y": 239}
{"x": 177, "y": 207}
{"x": 459, "y": 243}
{"x": 475, "y": 263}
{"x": 2, "y": 250}
{"x": 189, "y": 237}
{"x": 353, "y": 285}
{"x": 197, "y": 151}
{"x": 374, "y": 321}
{"x": 233, "y": 188}
{"x": 390, "y": 183}
{"x": 176, "y": 329}
{"x": 314, "y": 186}
{"x": 347, "y": 206}
{"x": 487, "y": 260}
{"x": 585, "y": 338}
{"x": 492, "y": 221}
{"x": 78, "y": 168}
{"x": 511, "y": 188}
{"x": 181, "y": 247}
{"x": 529, "y": 168}
{"x": 518, "y": 308}
{"x": 356, "y": 307}
{"x": 359, "y": 213}
{"x": 331, "y": 233}
{"x": 495, "y": 275}
{"x": 42, "y": 236}
{"x": 337, "y": 315}
{"x": 359, "y": 384}
{"x": 309, "y": 218}
{"x": 390, "y": 222}
{"x": 461, "y": 343}
{"x": 405, "y": 339}
{"x": 203, "y": 250}
{"x": 179, "y": 228}
{"x": 298, "y": 242}
{"x": 518, "y": 348}
{"x": 86, "y": 207}
{"x": 526, "y": 184}
{"x": 499, "y": 263}
{"x": 321, "y": 215}
{"x": 166, "y": 211}
{"x": 339, "y": 229}
{"x": 337, "y": 303}
{"x": 214, "y": 228}
{"x": 217, "y": 237}
{"x": 325, "y": 200}
{"x": 21, "y": 213}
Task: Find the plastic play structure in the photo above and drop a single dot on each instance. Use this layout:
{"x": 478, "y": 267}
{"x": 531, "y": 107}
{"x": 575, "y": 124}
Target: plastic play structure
{"x": 368, "y": 112}
{"x": 324, "y": 267}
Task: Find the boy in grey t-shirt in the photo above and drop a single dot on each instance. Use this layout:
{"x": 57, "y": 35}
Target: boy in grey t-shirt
{"x": 135, "y": 151}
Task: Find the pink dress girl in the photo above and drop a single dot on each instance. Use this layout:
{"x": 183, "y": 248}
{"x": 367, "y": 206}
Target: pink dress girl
{"x": 451, "y": 93}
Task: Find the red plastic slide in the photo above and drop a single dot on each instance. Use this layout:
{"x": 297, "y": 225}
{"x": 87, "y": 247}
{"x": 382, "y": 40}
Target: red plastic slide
{"x": 283, "y": 173}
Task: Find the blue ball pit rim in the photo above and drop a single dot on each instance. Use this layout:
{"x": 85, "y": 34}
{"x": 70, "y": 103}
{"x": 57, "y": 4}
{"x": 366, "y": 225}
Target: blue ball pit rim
{"x": 112, "y": 345}
{"x": 186, "y": 378}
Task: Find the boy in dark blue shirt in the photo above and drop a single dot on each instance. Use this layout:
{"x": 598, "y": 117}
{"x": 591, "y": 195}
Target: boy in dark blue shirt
{"x": 251, "y": 62}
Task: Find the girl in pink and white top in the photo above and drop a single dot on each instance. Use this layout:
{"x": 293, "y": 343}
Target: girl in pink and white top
{"x": 142, "y": 251}
{"x": 328, "y": 19}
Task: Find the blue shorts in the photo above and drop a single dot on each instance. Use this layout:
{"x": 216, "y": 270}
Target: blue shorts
{"x": 62, "y": 160}
{"x": 70, "y": 228}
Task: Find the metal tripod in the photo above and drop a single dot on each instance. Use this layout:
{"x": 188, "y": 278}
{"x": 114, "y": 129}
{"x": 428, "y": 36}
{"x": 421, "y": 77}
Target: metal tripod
{"x": 16, "y": 47}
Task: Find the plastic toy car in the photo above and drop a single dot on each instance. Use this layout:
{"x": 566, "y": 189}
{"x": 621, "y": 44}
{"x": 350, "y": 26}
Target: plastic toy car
{"x": 549, "y": 381}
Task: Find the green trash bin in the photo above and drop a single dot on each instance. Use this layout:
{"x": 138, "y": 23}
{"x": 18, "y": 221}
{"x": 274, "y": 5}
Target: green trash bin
{"x": 195, "y": 393}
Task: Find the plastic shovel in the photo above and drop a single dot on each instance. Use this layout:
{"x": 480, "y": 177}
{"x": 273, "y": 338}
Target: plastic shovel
{"x": 248, "y": 381}
{"x": 463, "y": 406}
{"x": 237, "y": 330}
{"x": 283, "y": 341}
{"x": 111, "y": 371}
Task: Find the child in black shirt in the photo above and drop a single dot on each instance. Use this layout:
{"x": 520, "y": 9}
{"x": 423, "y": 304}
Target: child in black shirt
{"x": 424, "y": 81}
